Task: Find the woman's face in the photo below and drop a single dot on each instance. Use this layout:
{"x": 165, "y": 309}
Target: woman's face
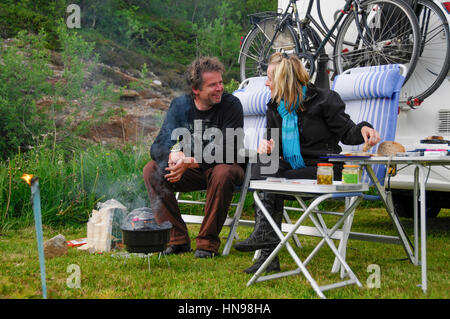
{"x": 270, "y": 75}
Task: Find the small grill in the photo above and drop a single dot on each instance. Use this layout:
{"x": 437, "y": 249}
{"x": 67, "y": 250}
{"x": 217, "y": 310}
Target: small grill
{"x": 142, "y": 234}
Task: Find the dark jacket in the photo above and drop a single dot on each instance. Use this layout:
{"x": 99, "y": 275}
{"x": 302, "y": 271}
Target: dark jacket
{"x": 322, "y": 125}
{"x": 182, "y": 113}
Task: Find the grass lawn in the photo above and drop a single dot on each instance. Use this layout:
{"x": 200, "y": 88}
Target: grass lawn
{"x": 108, "y": 276}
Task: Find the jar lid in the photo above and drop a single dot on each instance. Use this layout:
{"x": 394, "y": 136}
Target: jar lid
{"x": 324, "y": 164}
{"x": 351, "y": 166}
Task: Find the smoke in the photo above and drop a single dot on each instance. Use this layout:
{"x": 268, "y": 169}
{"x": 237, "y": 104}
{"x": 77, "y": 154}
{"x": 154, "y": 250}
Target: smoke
{"x": 129, "y": 190}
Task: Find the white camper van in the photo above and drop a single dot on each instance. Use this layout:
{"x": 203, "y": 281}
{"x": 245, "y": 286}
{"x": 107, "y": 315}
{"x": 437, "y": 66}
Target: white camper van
{"x": 415, "y": 124}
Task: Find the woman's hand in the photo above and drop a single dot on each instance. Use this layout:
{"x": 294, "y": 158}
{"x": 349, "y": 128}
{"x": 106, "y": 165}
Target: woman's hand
{"x": 371, "y": 137}
{"x": 265, "y": 147}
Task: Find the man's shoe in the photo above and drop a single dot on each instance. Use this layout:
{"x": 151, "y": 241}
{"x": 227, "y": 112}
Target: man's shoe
{"x": 177, "y": 249}
{"x": 200, "y": 253}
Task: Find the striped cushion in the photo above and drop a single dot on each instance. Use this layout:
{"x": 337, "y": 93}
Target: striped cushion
{"x": 371, "y": 84}
{"x": 371, "y": 94}
{"x": 254, "y": 96}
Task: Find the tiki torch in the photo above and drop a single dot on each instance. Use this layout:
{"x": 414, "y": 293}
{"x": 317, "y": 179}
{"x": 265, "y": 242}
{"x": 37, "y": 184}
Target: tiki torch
{"x": 33, "y": 181}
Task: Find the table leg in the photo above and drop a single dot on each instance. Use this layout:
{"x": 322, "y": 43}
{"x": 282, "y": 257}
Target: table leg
{"x": 423, "y": 235}
{"x": 416, "y": 215}
{"x": 387, "y": 202}
{"x": 302, "y": 265}
{"x": 284, "y": 242}
{"x": 335, "y": 251}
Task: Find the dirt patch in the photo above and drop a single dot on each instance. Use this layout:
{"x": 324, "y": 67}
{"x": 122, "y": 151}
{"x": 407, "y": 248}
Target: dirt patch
{"x": 126, "y": 129}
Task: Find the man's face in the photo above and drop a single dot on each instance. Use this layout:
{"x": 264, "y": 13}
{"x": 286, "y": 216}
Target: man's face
{"x": 211, "y": 91}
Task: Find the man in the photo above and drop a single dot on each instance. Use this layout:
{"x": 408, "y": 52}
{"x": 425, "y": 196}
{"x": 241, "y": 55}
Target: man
{"x": 174, "y": 169}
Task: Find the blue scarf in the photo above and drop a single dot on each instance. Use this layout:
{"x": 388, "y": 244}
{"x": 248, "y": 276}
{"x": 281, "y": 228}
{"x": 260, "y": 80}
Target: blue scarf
{"x": 289, "y": 134}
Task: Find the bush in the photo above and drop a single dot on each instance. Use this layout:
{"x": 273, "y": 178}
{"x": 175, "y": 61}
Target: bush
{"x": 71, "y": 183}
{"x": 33, "y": 16}
{"x": 23, "y": 73}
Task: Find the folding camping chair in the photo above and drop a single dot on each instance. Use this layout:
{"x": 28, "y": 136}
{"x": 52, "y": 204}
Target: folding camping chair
{"x": 371, "y": 94}
{"x": 254, "y": 96}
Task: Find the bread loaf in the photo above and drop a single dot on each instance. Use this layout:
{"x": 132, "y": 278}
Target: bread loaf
{"x": 433, "y": 137}
{"x": 389, "y": 148}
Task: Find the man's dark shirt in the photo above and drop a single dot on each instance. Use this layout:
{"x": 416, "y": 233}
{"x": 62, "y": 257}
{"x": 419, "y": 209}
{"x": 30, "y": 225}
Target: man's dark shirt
{"x": 182, "y": 113}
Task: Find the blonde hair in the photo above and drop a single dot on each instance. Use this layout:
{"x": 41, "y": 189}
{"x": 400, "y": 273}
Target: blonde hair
{"x": 289, "y": 78}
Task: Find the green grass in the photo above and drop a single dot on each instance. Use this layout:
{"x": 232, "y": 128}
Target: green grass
{"x": 108, "y": 276}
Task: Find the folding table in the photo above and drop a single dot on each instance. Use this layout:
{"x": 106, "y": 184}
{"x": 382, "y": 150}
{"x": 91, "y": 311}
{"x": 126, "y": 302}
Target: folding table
{"x": 297, "y": 188}
{"x": 420, "y": 176}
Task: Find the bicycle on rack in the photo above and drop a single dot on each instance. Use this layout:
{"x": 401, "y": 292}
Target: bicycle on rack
{"x": 433, "y": 62}
{"x": 370, "y": 32}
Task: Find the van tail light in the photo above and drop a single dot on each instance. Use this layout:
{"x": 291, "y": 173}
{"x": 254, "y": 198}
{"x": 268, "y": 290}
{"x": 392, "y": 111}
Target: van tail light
{"x": 446, "y": 5}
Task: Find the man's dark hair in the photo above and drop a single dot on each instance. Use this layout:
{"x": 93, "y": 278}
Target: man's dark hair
{"x": 198, "y": 67}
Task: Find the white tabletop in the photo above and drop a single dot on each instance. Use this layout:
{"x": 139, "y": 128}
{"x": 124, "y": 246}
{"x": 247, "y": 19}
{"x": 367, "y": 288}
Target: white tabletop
{"x": 283, "y": 185}
{"x": 426, "y": 160}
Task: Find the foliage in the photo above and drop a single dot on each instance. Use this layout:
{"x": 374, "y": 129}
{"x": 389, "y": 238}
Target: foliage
{"x": 173, "y": 32}
{"x": 220, "y": 37}
{"x": 33, "y": 16}
{"x": 159, "y": 35}
{"x": 30, "y": 103}
{"x": 231, "y": 86}
{"x": 23, "y": 72}
{"x": 71, "y": 182}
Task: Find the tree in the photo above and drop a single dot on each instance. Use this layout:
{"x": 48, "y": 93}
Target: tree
{"x": 221, "y": 37}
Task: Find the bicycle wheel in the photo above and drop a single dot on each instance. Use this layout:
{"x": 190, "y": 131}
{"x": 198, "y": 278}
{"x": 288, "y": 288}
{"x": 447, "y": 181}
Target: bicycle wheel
{"x": 379, "y": 32}
{"x": 256, "y": 50}
{"x": 434, "y": 55}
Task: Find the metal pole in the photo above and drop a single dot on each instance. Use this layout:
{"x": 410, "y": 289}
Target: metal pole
{"x": 36, "y": 198}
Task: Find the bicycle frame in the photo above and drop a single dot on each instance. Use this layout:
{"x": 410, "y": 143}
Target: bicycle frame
{"x": 348, "y": 6}
{"x": 278, "y": 28}
{"x": 302, "y": 30}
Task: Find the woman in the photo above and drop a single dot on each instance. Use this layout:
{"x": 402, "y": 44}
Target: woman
{"x": 312, "y": 123}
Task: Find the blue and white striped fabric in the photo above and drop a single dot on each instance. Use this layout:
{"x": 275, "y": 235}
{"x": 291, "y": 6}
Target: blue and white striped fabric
{"x": 254, "y": 96}
{"x": 371, "y": 94}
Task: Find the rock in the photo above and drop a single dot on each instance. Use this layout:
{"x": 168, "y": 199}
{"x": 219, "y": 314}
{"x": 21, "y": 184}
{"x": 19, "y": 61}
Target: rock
{"x": 56, "y": 246}
{"x": 157, "y": 82}
{"x": 128, "y": 95}
{"x": 160, "y": 104}
{"x": 149, "y": 94}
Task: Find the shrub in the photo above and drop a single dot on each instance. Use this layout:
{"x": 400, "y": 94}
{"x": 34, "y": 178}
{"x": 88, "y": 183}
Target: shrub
{"x": 23, "y": 72}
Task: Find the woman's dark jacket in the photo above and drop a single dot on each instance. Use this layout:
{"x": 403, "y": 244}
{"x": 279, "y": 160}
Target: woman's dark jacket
{"x": 322, "y": 125}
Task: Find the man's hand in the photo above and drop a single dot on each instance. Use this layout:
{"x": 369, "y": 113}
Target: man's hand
{"x": 265, "y": 147}
{"x": 371, "y": 137}
{"x": 178, "y": 164}
{"x": 174, "y": 157}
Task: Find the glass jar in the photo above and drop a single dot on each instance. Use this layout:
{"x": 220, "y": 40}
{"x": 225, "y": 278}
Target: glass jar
{"x": 350, "y": 174}
{"x": 325, "y": 173}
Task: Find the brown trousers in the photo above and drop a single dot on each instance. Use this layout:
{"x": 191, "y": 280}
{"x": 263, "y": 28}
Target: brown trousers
{"x": 219, "y": 182}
